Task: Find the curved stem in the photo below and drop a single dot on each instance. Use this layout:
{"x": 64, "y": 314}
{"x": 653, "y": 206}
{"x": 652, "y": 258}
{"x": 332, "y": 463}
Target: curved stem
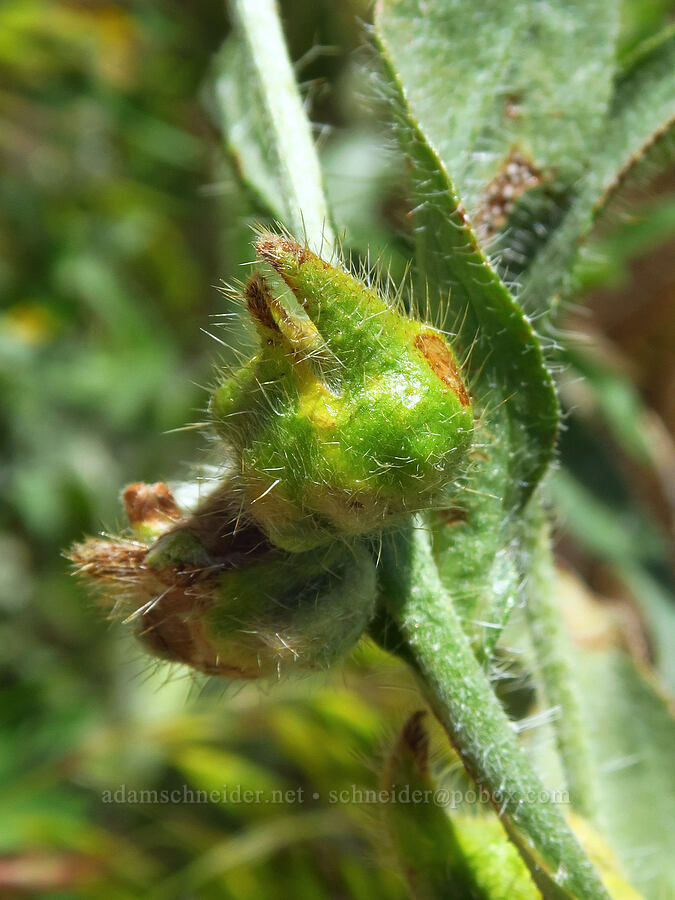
{"x": 462, "y": 698}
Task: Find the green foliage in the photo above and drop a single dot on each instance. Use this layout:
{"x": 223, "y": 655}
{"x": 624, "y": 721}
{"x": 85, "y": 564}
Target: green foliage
{"x": 237, "y": 107}
{"x": 522, "y": 102}
{"x": 631, "y": 730}
{"x": 478, "y": 552}
{"x": 118, "y": 213}
{"x": 463, "y": 700}
{"x": 637, "y": 131}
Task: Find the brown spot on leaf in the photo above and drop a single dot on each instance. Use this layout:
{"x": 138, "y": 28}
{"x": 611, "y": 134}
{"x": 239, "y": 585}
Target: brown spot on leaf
{"x": 517, "y": 175}
{"x": 439, "y": 357}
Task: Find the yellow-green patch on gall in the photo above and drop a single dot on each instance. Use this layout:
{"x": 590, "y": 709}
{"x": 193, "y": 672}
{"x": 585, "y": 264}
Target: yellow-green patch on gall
{"x": 351, "y": 414}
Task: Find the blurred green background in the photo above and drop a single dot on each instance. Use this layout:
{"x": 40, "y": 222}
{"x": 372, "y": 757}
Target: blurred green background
{"x": 120, "y": 214}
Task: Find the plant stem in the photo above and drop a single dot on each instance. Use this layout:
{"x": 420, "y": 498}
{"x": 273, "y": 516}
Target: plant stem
{"x": 462, "y": 698}
{"x": 554, "y": 653}
{"x": 290, "y": 134}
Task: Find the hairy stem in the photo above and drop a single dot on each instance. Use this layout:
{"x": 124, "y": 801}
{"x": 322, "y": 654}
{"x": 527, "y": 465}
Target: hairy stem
{"x": 462, "y": 698}
{"x": 554, "y": 654}
{"x": 290, "y": 133}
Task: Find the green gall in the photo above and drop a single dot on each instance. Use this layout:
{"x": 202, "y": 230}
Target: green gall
{"x": 351, "y": 414}
{"x": 223, "y": 600}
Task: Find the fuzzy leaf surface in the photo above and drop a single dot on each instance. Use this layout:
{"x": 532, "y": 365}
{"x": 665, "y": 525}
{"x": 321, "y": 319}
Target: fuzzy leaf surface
{"x": 259, "y": 102}
{"x": 478, "y": 544}
{"x": 239, "y": 112}
{"x": 637, "y": 136}
{"x": 632, "y": 733}
{"x": 485, "y": 80}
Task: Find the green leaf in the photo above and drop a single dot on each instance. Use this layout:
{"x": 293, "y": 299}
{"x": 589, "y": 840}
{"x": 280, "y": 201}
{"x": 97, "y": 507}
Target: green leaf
{"x": 608, "y": 262}
{"x": 640, "y": 20}
{"x": 656, "y": 604}
{"x": 609, "y": 398}
{"x": 285, "y": 173}
{"x": 228, "y": 778}
{"x": 238, "y": 110}
{"x": 442, "y": 855}
{"x": 632, "y": 735}
{"x": 641, "y": 115}
{"x": 626, "y": 541}
{"x": 518, "y": 100}
{"x": 614, "y": 531}
{"x": 553, "y": 653}
{"x": 490, "y": 79}
{"x": 251, "y": 847}
{"x": 478, "y": 546}
{"x": 637, "y": 131}
{"x": 429, "y": 633}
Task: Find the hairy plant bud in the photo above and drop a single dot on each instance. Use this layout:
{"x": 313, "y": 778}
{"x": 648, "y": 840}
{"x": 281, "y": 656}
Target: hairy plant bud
{"x": 223, "y": 600}
{"x": 350, "y": 415}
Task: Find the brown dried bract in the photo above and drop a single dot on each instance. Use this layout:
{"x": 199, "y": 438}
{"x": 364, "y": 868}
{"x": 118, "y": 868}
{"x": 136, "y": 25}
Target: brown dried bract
{"x": 171, "y": 604}
{"x": 173, "y": 630}
{"x": 108, "y": 561}
{"x": 442, "y": 364}
{"x": 272, "y": 246}
{"x": 415, "y": 739}
{"x": 147, "y": 503}
{"x": 258, "y": 301}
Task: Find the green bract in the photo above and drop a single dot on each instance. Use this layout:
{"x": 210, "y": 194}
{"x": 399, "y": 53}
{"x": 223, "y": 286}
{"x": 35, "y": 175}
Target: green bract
{"x": 351, "y": 413}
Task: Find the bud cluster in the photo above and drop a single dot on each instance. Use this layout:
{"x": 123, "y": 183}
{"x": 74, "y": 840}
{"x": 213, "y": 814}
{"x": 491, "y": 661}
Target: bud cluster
{"x": 225, "y": 601}
{"x": 350, "y": 416}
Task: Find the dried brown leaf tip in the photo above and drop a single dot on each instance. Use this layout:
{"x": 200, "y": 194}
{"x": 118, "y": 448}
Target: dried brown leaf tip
{"x": 150, "y": 506}
{"x": 258, "y": 301}
{"x": 517, "y": 175}
{"x": 409, "y": 757}
{"x": 415, "y": 740}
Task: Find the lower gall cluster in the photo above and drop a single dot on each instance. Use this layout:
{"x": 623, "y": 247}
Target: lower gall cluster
{"x": 350, "y": 416}
{"x": 202, "y": 591}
